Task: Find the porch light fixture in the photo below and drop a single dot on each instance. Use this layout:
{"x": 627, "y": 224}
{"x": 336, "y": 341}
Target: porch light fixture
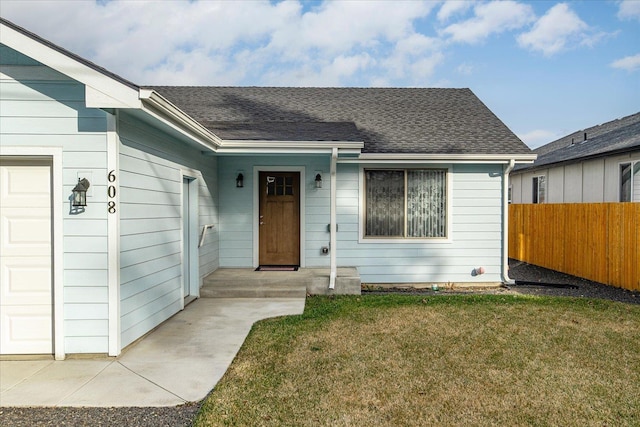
{"x": 80, "y": 192}
{"x": 318, "y": 181}
{"x": 240, "y": 181}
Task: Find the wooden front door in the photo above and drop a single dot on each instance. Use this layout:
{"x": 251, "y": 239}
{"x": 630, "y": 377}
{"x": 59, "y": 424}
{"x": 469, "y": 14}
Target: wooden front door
{"x": 279, "y": 218}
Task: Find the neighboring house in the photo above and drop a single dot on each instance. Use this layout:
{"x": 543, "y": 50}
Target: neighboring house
{"x": 407, "y": 185}
{"x": 595, "y": 165}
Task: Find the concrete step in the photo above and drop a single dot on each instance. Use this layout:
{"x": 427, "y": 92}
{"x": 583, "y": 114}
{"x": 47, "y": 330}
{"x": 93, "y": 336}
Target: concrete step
{"x": 254, "y": 291}
{"x": 246, "y": 283}
{"x": 347, "y": 283}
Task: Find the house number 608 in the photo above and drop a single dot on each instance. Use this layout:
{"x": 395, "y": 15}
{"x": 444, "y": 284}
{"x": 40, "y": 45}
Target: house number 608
{"x": 111, "y": 192}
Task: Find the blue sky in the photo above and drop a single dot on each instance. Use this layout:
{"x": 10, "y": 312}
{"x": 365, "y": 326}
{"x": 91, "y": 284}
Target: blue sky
{"x": 546, "y": 68}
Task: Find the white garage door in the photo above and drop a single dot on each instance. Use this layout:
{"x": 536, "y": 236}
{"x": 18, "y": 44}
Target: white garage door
{"x": 25, "y": 258}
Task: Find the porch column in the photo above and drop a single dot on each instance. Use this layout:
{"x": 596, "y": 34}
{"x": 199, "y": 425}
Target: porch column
{"x": 332, "y": 227}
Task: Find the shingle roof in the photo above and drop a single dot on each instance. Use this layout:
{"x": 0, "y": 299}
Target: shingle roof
{"x": 616, "y": 136}
{"x": 387, "y": 120}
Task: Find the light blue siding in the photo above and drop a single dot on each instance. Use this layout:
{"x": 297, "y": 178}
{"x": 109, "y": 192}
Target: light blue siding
{"x": 151, "y": 167}
{"x": 40, "y": 107}
{"x": 237, "y": 209}
{"x": 475, "y": 235}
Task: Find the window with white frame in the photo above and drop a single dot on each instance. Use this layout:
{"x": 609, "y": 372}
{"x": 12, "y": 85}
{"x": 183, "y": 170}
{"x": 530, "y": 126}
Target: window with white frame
{"x": 405, "y": 203}
{"x": 630, "y": 181}
{"x": 539, "y": 189}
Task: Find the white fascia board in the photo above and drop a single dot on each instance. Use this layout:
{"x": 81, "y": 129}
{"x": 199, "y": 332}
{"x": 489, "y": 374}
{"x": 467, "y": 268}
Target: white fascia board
{"x": 440, "y": 158}
{"x": 98, "y": 84}
{"x": 163, "y": 110}
{"x": 293, "y": 145}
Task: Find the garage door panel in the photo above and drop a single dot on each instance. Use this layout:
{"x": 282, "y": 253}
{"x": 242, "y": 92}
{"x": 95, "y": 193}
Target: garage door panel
{"x": 25, "y": 330}
{"x": 25, "y": 258}
{"x": 27, "y": 234}
{"x": 26, "y": 282}
{"x": 22, "y": 184}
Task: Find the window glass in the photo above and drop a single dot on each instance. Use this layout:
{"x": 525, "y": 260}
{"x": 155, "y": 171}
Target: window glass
{"x": 636, "y": 182}
{"x": 625, "y": 182}
{"x": 405, "y": 203}
{"x": 385, "y": 203}
{"x": 426, "y": 203}
{"x": 539, "y": 189}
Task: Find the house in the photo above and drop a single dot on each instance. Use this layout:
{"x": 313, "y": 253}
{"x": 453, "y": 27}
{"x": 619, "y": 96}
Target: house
{"x": 594, "y": 165}
{"x": 407, "y": 185}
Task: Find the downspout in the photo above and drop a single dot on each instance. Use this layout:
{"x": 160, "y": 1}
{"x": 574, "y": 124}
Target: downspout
{"x": 505, "y": 223}
{"x": 332, "y": 220}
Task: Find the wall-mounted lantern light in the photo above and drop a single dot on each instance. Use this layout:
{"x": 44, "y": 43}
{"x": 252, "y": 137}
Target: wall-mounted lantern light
{"x": 318, "y": 181}
{"x": 240, "y": 180}
{"x": 80, "y": 192}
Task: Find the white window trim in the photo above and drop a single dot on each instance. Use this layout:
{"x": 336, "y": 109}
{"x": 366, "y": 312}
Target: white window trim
{"x": 404, "y": 240}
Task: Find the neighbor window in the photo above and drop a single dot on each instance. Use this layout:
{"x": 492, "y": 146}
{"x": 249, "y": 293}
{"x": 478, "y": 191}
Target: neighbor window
{"x": 630, "y": 182}
{"x": 539, "y": 189}
{"x": 405, "y": 203}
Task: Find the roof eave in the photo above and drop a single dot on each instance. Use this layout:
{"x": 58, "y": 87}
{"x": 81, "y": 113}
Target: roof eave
{"x": 443, "y": 157}
{"x": 572, "y": 160}
{"x": 156, "y": 105}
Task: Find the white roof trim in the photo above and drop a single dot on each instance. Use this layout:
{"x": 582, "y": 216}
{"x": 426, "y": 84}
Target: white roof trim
{"x": 98, "y": 84}
{"x": 159, "y": 107}
{"x": 417, "y": 157}
{"x": 236, "y": 143}
{"x": 408, "y": 158}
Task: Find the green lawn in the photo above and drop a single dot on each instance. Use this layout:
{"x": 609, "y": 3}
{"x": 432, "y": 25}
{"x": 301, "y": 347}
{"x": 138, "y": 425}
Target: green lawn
{"x": 437, "y": 360}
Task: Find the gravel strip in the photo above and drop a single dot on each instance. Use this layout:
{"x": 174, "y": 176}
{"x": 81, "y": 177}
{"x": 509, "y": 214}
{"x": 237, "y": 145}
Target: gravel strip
{"x": 176, "y": 416}
{"x": 530, "y": 279}
{"x": 534, "y": 280}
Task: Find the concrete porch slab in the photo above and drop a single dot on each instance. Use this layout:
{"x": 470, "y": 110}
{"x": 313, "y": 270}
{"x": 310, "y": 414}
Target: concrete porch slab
{"x": 181, "y": 361}
{"x": 248, "y": 283}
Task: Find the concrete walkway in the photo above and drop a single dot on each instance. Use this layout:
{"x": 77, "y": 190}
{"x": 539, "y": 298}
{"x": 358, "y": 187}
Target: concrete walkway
{"x": 181, "y": 361}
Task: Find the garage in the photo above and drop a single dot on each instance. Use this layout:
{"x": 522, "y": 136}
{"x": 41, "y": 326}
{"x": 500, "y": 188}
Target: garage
{"x": 26, "y": 295}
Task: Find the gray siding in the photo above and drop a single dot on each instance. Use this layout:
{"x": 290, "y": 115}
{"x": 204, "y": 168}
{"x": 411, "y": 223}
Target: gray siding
{"x": 41, "y": 107}
{"x": 150, "y": 180}
{"x": 588, "y": 181}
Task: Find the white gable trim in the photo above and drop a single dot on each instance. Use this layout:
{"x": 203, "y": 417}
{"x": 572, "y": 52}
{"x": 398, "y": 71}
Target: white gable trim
{"x": 102, "y": 91}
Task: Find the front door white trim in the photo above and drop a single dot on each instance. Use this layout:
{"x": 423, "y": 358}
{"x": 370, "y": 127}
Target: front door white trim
{"x": 55, "y": 154}
{"x": 256, "y": 208}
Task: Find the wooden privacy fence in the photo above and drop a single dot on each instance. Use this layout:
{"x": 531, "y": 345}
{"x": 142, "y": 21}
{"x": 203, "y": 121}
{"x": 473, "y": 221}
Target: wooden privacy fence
{"x": 597, "y": 241}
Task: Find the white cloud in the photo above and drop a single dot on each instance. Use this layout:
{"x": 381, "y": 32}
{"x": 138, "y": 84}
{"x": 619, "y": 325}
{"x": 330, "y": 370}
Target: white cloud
{"x": 465, "y": 69}
{"x": 555, "y": 30}
{"x": 490, "y": 18}
{"x": 340, "y": 26}
{"x": 538, "y": 137}
{"x": 629, "y": 63}
{"x": 629, "y": 9}
{"x": 453, "y": 7}
{"x": 224, "y": 42}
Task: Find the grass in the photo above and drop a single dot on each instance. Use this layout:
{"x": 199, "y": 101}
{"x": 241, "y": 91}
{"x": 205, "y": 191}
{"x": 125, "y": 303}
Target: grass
{"x": 438, "y": 360}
